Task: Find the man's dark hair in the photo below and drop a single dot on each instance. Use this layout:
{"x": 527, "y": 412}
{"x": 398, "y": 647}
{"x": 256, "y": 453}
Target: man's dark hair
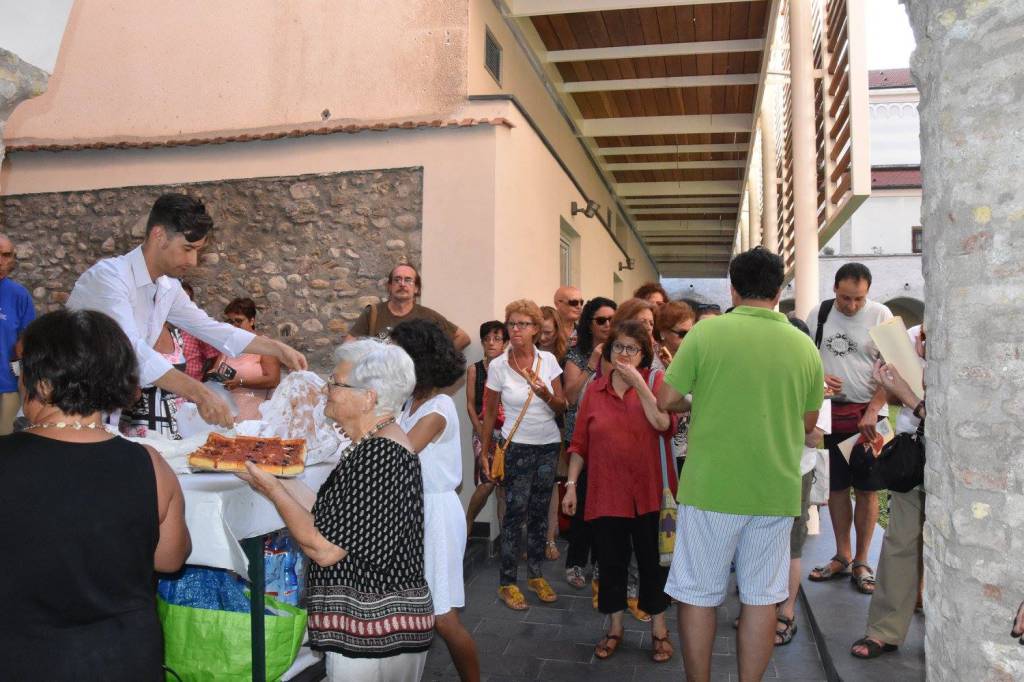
{"x": 585, "y": 337}
{"x": 757, "y": 274}
{"x": 493, "y": 326}
{"x": 634, "y": 330}
{"x": 433, "y": 355}
{"x": 188, "y": 290}
{"x": 180, "y": 214}
{"x": 241, "y": 306}
{"x": 82, "y": 359}
{"x": 854, "y": 271}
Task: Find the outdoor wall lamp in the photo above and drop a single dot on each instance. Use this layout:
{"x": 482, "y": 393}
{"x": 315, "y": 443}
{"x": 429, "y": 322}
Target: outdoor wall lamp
{"x": 628, "y": 265}
{"x": 590, "y": 211}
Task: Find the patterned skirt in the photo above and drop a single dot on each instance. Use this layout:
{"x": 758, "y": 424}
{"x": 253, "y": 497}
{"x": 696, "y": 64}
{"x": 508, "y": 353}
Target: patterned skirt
{"x": 366, "y": 625}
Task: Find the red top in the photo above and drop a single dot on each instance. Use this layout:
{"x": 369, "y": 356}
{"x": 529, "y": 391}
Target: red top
{"x": 197, "y": 352}
{"x": 620, "y": 450}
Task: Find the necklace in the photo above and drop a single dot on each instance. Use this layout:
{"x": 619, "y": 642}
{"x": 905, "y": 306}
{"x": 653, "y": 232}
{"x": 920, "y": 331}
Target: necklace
{"x": 76, "y": 425}
{"x": 369, "y": 434}
{"x": 526, "y": 373}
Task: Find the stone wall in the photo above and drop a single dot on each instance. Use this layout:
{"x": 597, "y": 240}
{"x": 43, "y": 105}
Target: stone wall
{"x": 311, "y": 250}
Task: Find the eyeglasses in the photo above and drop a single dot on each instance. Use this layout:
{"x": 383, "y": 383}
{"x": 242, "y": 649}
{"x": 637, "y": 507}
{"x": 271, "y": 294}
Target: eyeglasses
{"x": 334, "y": 383}
{"x": 519, "y": 325}
{"x": 621, "y": 349}
{"x": 681, "y": 333}
{"x": 601, "y": 320}
{"x": 16, "y": 367}
{"x": 574, "y": 302}
{"x": 709, "y": 307}
{"x": 403, "y": 280}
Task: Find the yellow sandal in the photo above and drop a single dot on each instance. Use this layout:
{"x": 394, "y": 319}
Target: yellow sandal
{"x": 543, "y": 590}
{"x": 512, "y": 597}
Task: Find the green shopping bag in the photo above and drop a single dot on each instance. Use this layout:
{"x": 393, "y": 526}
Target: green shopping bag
{"x": 206, "y": 644}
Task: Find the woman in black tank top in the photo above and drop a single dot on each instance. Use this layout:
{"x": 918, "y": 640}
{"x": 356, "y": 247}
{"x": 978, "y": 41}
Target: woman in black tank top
{"x": 88, "y": 516}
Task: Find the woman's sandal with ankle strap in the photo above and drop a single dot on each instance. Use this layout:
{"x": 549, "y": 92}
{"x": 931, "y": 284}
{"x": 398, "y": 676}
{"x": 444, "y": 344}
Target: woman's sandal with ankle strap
{"x": 607, "y": 646}
{"x": 659, "y": 650}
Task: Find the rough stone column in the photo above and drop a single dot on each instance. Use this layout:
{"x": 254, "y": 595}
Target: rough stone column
{"x": 968, "y": 68}
{"x": 19, "y": 81}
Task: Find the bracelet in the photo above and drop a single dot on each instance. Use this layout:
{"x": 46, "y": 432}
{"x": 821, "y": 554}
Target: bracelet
{"x": 589, "y": 370}
{"x": 570, "y": 483}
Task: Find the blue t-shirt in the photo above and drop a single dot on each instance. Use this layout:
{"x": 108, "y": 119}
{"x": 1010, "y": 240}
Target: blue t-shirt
{"x": 16, "y": 312}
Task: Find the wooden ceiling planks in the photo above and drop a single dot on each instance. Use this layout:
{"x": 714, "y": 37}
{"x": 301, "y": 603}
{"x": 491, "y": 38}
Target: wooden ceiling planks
{"x": 669, "y": 25}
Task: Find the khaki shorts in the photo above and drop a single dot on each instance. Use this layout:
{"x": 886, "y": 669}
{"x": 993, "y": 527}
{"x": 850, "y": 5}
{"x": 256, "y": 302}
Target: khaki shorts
{"x": 798, "y": 535}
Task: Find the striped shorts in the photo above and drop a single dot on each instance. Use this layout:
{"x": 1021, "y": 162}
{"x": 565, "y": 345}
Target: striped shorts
{"x": 707, "y": 542}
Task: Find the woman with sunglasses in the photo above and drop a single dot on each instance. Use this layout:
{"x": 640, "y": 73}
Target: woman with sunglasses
{"x": 256, "y": 376}
{"x": 618, "y": 427}
{"x": 528, "y": 383}
{"x": 583, "y": 362}
{"x": 671, "y": 325}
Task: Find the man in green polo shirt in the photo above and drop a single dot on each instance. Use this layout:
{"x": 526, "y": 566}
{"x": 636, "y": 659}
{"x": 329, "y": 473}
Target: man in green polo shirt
{"x": 757, "y": 384}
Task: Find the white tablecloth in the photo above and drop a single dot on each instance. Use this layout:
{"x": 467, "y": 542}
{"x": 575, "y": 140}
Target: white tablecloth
{"x": 221, "y": 509}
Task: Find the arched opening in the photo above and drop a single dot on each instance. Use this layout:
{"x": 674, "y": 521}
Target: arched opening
{"x": 910, "y": 309}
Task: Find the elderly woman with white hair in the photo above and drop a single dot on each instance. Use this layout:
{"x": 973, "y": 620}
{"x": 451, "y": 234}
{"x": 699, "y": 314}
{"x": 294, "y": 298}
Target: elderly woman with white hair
{"x": 369, "y": 605}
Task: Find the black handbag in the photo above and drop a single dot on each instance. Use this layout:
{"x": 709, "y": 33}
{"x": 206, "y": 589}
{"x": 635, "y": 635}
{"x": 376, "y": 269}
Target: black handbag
{"x": 901, "y": 465}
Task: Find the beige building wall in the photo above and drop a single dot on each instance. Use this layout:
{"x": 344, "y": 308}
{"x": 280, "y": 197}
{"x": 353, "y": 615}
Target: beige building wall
{"x": 519, "y": 79}
{"x": 158, "y": 69}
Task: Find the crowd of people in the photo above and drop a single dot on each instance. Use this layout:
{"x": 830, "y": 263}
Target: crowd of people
{"x": 621, "y": 416}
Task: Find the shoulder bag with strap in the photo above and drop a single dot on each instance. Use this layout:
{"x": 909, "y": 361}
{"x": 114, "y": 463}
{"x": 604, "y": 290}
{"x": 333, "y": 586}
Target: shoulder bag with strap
{"x": 823, "y": 313}
{"x": 901, "y": 465}
{"x": 667, "y": 513}
{"x": 371, "y": 322}
{"x": 498, "y": 462}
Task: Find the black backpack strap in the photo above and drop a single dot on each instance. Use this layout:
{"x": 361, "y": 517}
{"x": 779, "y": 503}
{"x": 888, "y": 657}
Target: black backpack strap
{"x": 823, "y": 311}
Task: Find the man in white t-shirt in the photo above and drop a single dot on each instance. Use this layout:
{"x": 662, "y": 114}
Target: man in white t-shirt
{"x": 848, "y": 353}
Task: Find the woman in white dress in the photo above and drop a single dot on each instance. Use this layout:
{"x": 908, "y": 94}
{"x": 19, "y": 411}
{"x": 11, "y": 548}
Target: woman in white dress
{"x": 431, "y": 421}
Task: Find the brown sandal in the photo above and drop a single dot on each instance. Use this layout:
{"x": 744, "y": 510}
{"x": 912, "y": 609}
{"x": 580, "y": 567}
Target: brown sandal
{"x": 607, "y": 646}
{"x": 659, "y": 654}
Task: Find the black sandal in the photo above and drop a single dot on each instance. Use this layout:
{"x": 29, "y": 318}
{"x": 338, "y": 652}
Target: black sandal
{"x": 820, "y": 574}
{"x": 784, "y": 637}
{"x": 874, "y": 648}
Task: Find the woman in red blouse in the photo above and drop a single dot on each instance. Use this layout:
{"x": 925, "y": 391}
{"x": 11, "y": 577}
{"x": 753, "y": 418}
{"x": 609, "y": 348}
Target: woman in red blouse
{"x": 617, "y": 430}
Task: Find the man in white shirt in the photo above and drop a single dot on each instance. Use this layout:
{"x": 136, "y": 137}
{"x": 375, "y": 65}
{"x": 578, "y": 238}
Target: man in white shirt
{"x": 140, "y": 292}
{"x": 848, "y": 354}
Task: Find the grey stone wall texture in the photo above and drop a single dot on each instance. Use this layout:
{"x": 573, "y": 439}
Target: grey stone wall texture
{"x": 968, "y": 68}
{"x": 311, "y": 250}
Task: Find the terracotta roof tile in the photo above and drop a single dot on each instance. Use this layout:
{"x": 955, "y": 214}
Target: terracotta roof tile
{"x": 895, "y": 177}
{"x": 248, "y": 137}
{"x": 889, "y": 78}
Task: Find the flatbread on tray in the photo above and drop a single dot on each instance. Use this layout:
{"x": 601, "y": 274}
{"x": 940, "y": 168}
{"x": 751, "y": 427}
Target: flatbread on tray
{"x": 277, "y": 456}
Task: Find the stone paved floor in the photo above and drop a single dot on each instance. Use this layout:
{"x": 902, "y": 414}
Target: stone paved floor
{"x": 556, "y": 642}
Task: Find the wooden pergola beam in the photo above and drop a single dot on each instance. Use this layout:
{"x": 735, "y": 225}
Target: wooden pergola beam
{"x": 666, "y": 82}
{"x": 656, "y": 50}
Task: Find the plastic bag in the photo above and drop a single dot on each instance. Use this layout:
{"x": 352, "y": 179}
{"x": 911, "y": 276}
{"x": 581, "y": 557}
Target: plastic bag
{"x": 206, "y": 625}
{"x": 296, "y": 410}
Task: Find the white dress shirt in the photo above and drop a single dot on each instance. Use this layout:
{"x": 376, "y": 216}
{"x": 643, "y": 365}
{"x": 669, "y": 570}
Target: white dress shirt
{"x": 122, "y": 288}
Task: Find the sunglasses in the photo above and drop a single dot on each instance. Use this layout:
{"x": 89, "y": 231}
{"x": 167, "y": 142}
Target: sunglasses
{"x": 574, "y": 302}
{"x": 601, "y": 320}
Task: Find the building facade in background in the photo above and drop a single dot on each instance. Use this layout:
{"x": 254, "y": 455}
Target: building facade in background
{"x": 886, "y": 231}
